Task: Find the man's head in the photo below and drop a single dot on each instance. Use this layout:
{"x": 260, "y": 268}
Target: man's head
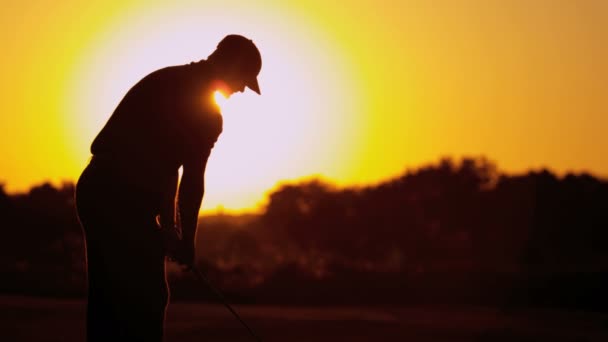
{"x": 238, "y": 63}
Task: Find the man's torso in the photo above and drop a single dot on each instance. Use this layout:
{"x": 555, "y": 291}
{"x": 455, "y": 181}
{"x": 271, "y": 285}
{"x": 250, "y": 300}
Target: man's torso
{"x": 165, "y": 119}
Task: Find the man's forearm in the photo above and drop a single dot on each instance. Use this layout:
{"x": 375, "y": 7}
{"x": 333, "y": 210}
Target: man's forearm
{"x": 189, "y": 202}
{"x": 167, "y": 211}
{"x": 190, "y": 197}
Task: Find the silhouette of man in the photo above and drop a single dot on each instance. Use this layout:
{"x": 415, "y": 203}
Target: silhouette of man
{"x": 128, "y": 199}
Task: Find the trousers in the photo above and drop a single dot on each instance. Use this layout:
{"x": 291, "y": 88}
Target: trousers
{"x": 127, "y": 285}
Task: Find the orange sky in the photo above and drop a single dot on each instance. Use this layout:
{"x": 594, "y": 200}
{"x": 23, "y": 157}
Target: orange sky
{"x": 355, "y": 93}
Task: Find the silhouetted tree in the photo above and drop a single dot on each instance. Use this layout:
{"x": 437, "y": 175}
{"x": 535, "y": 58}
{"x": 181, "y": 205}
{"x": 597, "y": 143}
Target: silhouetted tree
{"x": 448, "y": 225}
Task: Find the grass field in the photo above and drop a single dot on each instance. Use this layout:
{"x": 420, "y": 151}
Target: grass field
{"x": 58, "y": 320}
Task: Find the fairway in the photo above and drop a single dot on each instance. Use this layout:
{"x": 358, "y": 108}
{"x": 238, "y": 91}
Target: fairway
{"x": 50, "y": 320}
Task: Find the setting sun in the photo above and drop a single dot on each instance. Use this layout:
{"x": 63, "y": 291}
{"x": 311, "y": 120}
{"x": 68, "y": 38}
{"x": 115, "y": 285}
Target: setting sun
{"x": 293, "y": 130}
{"x": 219, "y": 98}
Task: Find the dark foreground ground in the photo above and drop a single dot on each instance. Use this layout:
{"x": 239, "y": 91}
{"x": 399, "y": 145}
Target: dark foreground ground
{"x": 46, "y": 320}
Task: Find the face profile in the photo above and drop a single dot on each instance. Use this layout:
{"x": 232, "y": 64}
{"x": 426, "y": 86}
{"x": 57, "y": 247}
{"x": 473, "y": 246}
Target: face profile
{"x": 232, "y": 85}
{"x": 238, "y": 63}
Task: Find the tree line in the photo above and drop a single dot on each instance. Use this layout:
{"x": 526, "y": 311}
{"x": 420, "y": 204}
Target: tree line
{"x": 453, "y": 231}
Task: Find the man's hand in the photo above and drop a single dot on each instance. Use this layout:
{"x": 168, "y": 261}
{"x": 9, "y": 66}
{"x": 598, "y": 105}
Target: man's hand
{"x": 179, "y": 249}
{"x": 183, "y": 253}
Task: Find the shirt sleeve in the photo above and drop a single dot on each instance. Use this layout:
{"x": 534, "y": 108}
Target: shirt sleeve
{"x": 203, "y": 132}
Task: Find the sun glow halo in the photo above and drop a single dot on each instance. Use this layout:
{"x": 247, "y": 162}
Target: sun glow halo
{"x": 295, "y": 129}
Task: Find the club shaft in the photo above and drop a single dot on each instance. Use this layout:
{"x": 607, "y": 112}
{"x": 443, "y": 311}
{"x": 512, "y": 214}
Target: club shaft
{"x": 221, "y": 297}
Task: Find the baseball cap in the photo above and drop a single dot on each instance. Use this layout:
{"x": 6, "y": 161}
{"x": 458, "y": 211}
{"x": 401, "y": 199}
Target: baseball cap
{"x": 248, "y": 56}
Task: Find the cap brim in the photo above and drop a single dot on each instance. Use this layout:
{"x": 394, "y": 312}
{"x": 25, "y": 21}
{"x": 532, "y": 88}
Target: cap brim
{"x": 253, "y": 85}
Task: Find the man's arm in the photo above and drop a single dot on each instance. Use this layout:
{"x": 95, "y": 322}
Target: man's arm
{"x": 167, "y": 218}
{"x": 190, "y": 197}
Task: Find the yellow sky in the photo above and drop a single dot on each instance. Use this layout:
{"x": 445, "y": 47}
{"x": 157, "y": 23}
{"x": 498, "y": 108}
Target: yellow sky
{"x": 354, "y": 91}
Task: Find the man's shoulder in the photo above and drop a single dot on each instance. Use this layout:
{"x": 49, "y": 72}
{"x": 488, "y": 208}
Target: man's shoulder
{"x": 200, "y": 69}
{"x": 166, "y": 73}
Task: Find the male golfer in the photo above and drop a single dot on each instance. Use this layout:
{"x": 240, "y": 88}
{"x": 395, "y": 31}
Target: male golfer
{"x": 126, "y": 196}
